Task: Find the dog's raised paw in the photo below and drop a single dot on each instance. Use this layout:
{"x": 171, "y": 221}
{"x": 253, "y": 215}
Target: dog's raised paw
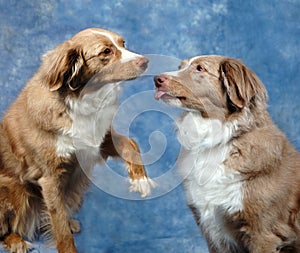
{"x": 142, "y": 185}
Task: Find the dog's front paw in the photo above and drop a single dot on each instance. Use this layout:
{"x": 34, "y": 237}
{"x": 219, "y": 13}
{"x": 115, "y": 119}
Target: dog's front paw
{"x": 16, "y": 244}
{"x": 142, "y": 185}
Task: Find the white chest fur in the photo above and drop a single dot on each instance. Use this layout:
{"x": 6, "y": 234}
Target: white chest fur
{"x": 210, "y": 187}
{"x": 91, "y": 116}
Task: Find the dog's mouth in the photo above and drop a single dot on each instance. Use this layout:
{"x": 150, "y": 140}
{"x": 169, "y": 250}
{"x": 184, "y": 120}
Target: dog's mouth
{"x": 166, "y": 95}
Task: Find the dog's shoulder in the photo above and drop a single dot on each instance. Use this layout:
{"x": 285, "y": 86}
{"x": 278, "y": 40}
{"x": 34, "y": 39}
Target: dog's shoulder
{"x": 260, "y": 150}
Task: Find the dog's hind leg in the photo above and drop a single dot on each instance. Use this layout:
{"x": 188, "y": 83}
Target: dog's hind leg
{"x": 14, "y": 212}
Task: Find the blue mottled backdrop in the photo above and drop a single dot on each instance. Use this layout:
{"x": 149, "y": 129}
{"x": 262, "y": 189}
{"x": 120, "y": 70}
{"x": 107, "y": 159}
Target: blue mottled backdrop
{"x": 264, "y": 34}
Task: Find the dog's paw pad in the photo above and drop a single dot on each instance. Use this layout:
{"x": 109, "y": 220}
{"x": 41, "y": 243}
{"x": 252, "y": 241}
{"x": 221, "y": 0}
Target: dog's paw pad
{"x": 16, "y": 244}
{"x": 142, "y": 185}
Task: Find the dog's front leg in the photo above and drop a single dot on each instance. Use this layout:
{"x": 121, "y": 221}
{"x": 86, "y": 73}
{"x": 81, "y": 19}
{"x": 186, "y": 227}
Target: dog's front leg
{"x": 54, "y": 199}
{"x": 116, "y": 145}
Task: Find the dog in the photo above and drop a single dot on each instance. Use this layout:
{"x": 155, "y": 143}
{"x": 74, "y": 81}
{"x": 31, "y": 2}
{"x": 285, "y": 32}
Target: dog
{"x": 50, "y": 124}
{"x": 241, "y": 174}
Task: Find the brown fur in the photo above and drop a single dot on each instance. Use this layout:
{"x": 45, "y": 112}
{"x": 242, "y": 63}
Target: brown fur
{"x": 39, "y": 190}
{"x": 225, "y": 89}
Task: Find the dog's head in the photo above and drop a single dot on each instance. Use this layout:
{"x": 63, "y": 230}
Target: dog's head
{"x": 216, "y": 86}
{"x": 73, "y": 63}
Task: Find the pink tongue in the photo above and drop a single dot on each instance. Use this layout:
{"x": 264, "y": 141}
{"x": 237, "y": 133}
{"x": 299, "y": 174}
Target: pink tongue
{"x": 159, "y": 94}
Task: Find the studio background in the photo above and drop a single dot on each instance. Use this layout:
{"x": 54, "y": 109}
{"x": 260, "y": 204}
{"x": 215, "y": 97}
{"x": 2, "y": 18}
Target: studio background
{"x": 264, "y": 34}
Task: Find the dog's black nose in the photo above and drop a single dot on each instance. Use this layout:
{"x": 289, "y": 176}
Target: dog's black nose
{"x": 159, "y": 80}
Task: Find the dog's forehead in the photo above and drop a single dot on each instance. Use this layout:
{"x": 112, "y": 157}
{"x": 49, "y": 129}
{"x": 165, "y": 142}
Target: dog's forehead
{"x": 113, "y": 37}
{"x": 94, "y": 36}
{"x": 190, "y": 61}
{"x": 186, "y": 63}
{"x": 98, "y": 35}
{"x": 207, "y": 60}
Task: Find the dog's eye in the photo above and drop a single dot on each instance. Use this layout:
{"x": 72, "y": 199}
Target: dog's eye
{"x": 107, "y": 51}
{"x": 199, "y": 68}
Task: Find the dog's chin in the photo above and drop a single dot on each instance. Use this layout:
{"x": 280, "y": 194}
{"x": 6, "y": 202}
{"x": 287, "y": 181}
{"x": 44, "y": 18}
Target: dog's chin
{"x": 134, "y": 76}
{"x": 172, "y": 101}
{"x": 177, "y": 103}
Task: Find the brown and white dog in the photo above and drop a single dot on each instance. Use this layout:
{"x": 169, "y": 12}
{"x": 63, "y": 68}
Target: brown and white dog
{"x": 241, "y": 175}
{"x": 55, "y": 119}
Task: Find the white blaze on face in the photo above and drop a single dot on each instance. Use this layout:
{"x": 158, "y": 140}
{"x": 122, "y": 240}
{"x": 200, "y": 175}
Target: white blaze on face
{"x": 175, "y": 73}
{"x": 126, "y": 54}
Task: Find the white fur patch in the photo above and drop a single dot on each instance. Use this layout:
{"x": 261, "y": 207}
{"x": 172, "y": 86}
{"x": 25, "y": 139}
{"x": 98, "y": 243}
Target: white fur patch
{"x": 192, "y": 59}
{"x": 92, "y": 116}
{"x": 195, "y": 132}
{"x": 176, "y": 73}
{"x": 64, "y": 146}
{"x": 210, "y": 187}
{"x": 142, "y": 185}
{"x": 174, "y": 102}
{"x": 126, "y": 54}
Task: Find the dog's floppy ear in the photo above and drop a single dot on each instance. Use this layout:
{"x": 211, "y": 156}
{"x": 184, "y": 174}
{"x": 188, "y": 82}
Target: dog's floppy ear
{"x": 62, "y": 65}
{"x": 241, "y": 83}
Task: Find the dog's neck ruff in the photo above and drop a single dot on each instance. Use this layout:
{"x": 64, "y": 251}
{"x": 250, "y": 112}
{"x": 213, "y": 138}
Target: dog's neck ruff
{"x": 212, "y": 188}
{"x": 91, "y": 117}
{"x": 198, "y": 133}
